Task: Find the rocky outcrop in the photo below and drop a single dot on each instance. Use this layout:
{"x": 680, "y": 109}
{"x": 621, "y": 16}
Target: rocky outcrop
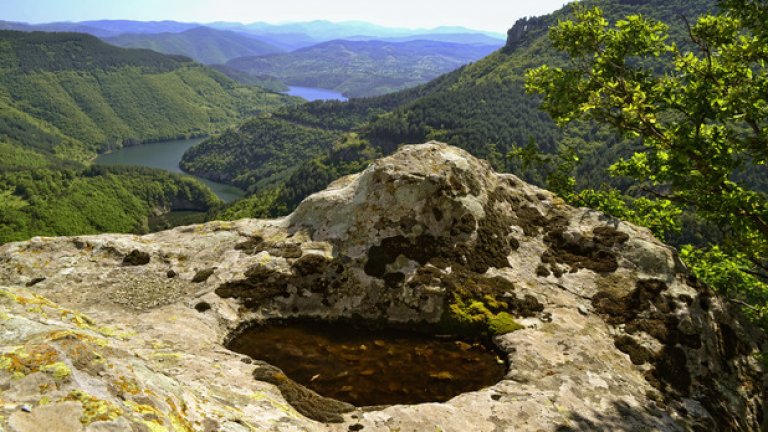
{"x": 612, "y": 333}
{"x": 524, "y": 27}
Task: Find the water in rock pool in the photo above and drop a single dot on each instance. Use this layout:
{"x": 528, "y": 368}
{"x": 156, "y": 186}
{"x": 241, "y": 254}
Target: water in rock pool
{"x": 372, "y": 367}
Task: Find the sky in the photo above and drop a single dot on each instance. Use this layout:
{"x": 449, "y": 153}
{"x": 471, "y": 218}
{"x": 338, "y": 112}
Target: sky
{"x": 489, "y": 15}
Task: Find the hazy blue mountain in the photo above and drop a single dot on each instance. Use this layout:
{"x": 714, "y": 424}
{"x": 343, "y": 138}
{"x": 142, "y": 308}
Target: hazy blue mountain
{"x": 102, "y": 28}
{"x": 206, "y": 45}
{"x": 116, "y": 27}
{"x": 364, "y": 68}
{"x": 55, "y": 27}
{"x": 286, "y": 37}
{"x": 321, "y": 30}
{"x": 285, "y": 41}
{"x": 460, "y": 38}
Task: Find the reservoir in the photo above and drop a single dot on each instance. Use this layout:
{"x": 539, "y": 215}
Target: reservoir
{"x": 166, "y": 156}
{"x": 313, "y": 94}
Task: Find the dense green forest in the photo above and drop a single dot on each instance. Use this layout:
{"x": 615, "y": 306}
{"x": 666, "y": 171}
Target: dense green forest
{"x": 64, "y": 97}
{"x": 364, "y": 68}
{"x": 259, "y": 152}
{"x": 55, "y": 201}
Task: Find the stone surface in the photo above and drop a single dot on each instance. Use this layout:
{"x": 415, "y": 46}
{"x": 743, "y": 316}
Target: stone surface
{"x": 99, "y": 323}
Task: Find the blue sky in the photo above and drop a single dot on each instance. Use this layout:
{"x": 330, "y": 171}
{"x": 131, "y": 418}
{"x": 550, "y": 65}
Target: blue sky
{"x": 492, "y": 15}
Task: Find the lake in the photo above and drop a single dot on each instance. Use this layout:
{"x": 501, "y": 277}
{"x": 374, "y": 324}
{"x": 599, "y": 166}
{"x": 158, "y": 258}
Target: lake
{"x": 166, "y": 156}
{"x": 313, "y": 94}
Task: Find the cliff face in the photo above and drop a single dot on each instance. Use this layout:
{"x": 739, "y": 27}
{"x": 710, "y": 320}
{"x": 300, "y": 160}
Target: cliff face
{"x": 616, "y": 335}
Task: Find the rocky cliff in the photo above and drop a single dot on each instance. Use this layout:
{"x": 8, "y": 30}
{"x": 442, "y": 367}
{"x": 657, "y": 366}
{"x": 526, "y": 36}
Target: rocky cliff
{"x": 120, "y": 332}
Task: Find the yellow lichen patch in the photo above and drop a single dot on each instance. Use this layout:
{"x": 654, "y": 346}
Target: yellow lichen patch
{"x": 77, "y": 318}
{"x": 142, "y": 408}
{"x": 151, "y": 416}
{"x": 222, "y": 226}
{"x": 36, "y": 300}
{"x": 178, "y": 420}
{"x": 158, "y": 345}
{"x": 36, "y": 303}
{"x": 94, "y": 409}
{"x": 166, "y": 356}
{"x": 127, "y": 385}
{"x": 7, "y": 295}
{"x": 59, "y": 370}
{"x": 58, "y": 335}
{"x": 115, "y": 333}
{"x": 25, "y": 360}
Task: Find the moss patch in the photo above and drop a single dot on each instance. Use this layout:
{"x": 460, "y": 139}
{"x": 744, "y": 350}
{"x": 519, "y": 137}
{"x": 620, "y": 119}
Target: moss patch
{"x": 502, "y": 323}
{"x": 469, "y": 317}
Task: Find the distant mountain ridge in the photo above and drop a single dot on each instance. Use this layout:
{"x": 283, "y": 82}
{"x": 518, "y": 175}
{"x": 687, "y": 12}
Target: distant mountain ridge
{"x": 364, "y": 68}
{"x": 204, "y": 44}
{"x": 323, "y": 30}
{"x": 102, "y": 28}
{"x": 287, "y": 36}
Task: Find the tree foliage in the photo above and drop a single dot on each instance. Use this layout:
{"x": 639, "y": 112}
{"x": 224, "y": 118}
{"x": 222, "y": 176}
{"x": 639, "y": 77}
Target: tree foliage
{"x": 56, "y": 201}
{"x": 701, "y": 113}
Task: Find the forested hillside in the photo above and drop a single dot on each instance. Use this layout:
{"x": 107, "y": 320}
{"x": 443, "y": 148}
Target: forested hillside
{"x": 203, "y": 44}
{"x": 482, "y": 107}
{"x": 364, "y": 68}
{"x": 64, "y": 97}
{"x": 72, "y": 95}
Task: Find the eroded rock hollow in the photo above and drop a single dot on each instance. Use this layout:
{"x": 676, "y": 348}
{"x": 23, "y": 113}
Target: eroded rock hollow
{"x": 601, "y": 325}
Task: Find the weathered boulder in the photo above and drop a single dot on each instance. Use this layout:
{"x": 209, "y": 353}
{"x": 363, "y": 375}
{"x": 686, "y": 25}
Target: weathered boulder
{"x": 613, "y": 333}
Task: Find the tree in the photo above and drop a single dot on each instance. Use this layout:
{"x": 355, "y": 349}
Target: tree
{"x": 702, "y": 116}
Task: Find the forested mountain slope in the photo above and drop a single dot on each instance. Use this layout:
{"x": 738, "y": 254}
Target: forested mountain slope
{"x": 481, "y": 107}
{"x": 64, "y": 97}
{"x": 72, "y": 95}
{"x": 203, "y": 44}
{"x": 364, "y": 68}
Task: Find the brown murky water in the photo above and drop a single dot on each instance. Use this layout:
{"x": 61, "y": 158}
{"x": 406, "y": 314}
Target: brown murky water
{"x": 372, "y": 367}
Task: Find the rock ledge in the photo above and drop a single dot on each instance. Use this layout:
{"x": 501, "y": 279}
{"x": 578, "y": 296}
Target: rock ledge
{"x": 122, "y": 332}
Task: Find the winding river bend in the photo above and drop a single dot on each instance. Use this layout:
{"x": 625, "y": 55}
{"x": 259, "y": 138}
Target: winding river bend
{"x": 166, "y": 156}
